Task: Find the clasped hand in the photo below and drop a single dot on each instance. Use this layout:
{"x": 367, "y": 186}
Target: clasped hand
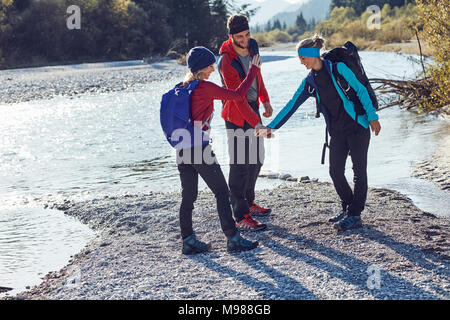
{"x": 263, "y": 131}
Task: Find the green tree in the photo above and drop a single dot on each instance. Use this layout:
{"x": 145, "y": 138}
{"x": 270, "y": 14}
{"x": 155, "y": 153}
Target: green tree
{"x": 361, "y": 5}
{"x": 219, "y": 31}
{"x": 311, "y": 24}
{"x": 190, "y": 21}
{"x": 277, "y": 24}
{"x": 34, "y": 32}
{"x": 301, "y": 24}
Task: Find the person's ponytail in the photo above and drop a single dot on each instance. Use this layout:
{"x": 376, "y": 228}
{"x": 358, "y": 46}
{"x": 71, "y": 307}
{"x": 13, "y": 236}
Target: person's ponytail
{"x": 315, "y": 42}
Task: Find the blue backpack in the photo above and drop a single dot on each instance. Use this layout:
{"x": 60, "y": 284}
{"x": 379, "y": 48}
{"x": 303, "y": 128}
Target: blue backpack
{"x": 176, "y": 121}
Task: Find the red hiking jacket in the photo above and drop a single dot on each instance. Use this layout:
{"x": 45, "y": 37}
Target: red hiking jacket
{"x": 232, "y": 74}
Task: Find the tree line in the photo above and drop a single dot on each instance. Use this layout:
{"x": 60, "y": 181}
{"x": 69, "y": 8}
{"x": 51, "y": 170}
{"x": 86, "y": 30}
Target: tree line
{"x": 35, "y": 32}
{"x": 360, "y": 6}
{"x": 300, "y": 26}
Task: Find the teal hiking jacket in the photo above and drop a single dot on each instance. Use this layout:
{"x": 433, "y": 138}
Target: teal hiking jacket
{"x": 308, "y": 88}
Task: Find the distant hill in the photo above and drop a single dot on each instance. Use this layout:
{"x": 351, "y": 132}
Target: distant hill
{"x": 267, "y": 9}
{"x": 317, "y": 9}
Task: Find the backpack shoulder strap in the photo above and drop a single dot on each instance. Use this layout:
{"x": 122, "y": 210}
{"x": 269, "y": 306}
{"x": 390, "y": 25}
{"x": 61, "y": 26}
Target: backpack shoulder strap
{"x": 342, "y": 83}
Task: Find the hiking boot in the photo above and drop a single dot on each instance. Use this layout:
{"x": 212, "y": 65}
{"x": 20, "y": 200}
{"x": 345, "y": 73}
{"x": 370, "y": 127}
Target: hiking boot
{"x": 192, "y": 246}
{"x": 350, "y": 222}
{"x": 256, "y": 210}
{"x": 237, "y": 244}
{"x": 339, "y": 217}
{"x": 249, "y": 224}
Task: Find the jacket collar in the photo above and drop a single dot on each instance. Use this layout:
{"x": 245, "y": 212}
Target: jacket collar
{"x": 310, "y": 76}
{"x": 227, "y": 47}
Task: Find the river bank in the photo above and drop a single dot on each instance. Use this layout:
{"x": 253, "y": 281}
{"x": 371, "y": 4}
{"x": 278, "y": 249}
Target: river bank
{"x": 20, "y": 85}
{"x": 136, "y": 254}
{"x": 409, "y": 47}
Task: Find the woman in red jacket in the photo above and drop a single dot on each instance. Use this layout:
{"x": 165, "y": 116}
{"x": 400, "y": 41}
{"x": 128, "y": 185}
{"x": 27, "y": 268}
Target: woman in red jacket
{"x": 201, "y": 64}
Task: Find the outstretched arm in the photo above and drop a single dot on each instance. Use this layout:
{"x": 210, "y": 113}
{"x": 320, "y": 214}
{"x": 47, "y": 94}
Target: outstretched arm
{"x": 220, "y": 93}
{"x": 289, "y": 109}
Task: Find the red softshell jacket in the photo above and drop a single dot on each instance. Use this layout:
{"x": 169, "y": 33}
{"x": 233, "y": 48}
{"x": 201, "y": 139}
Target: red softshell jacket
{"x": 232, "y": 74}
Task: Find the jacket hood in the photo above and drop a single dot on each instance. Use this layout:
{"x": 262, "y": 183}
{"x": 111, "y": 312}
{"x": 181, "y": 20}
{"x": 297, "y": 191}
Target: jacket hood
{"x": 227, "y": 47}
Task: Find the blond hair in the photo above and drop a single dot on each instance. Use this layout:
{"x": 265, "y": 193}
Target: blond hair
{"x": 191, "y": 76}
{"x": 315, "y": 42}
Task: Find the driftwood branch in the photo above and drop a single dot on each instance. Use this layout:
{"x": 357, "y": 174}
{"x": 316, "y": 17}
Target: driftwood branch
{"x": 404, "y": 93}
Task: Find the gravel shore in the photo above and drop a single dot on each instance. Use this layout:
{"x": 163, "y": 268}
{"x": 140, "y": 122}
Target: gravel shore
{"x": 19, "y": 85}
{"x": 401, "y": 252}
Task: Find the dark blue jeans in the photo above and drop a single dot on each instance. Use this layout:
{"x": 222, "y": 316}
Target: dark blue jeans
{"x": 214, "y": 178}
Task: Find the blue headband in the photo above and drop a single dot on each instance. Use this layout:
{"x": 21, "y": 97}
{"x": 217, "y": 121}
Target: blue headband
{"x": 309, "y": 52}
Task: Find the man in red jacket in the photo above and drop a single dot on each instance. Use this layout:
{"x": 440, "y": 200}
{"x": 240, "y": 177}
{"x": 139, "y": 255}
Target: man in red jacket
{"x": 246, "y": 159}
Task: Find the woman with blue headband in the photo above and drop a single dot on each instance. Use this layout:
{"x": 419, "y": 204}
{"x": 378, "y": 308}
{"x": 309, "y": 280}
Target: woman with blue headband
{"x": 349, "y": 133}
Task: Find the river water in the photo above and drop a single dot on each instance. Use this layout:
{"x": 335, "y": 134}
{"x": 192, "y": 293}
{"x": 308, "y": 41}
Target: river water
{"x": 112, "y": 144}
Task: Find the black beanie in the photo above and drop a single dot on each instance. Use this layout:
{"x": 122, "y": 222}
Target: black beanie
{"x": 199, "y": 58}
{"x": 238, "y": 25}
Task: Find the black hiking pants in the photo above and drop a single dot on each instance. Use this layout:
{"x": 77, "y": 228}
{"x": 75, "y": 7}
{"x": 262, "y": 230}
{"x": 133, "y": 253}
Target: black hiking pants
{"x": 246, "y": 154}
{"x": 356, "y": 143}
{"x": 214, "y": 178}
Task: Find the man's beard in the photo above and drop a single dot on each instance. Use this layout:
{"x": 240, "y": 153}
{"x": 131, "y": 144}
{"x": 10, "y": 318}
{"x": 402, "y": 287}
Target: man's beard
{"x": 238, "y": 45}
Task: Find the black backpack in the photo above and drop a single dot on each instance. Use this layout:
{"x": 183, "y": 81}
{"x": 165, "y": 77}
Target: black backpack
{"x": 348, "y": 54}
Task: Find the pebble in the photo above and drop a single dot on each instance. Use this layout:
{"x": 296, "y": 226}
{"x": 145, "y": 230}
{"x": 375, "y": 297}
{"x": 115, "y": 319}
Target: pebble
{"x": 284, "y": 176}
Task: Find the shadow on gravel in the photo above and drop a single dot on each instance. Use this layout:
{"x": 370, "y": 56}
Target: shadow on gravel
{"x": 287, "y": 287}
{"x": 348, "y": 268}
{"x": 353, "y": 270}
{"x": 413, "y": 253}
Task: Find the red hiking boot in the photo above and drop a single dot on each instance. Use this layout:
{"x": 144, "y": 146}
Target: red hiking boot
{"x": 249, "y": 224}
{"x": 256, "y": 210}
